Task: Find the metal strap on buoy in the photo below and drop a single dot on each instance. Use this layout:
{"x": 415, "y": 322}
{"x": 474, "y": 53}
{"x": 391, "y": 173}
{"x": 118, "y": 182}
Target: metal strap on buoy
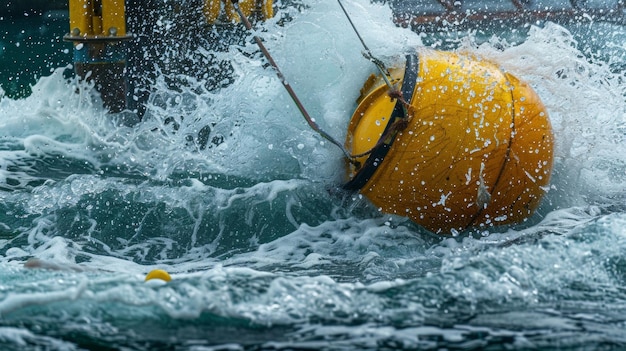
{"x": 378, "y": 153}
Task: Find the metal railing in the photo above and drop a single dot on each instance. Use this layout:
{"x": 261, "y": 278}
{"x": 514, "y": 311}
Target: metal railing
{"x": 429, "y": 13}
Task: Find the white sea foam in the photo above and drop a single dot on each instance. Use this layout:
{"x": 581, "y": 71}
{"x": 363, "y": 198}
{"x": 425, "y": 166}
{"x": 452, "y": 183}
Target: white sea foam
{"x": 583, "y": 96}
{"x": 23, "y": 338}
{"x": 251, "y": 233}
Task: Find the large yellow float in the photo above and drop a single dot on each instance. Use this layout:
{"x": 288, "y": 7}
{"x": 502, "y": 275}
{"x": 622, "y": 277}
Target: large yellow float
{"x": 466, "y": 144}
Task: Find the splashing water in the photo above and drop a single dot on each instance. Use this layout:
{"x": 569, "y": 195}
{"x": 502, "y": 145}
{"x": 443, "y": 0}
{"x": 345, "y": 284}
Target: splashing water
{"x": 263, "y": 253}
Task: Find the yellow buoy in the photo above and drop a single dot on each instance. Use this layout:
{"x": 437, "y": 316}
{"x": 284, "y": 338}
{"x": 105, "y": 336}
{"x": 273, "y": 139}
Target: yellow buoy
{"x": 158, "y": 274}
{"x": 471, "y": 147}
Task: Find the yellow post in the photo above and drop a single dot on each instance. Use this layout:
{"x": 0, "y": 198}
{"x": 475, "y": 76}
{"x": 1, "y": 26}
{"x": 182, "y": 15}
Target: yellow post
{"x": 90, "y": 18}
{"x": 113, "y": 17}
{"x": 263, "y": 9}
{"x": 96, "y": 25}
{"x": 246, "y": 7}
{"x": 211, "y": 10}
{"x": 81, "y": 14}
{"x": 97, "y": 29}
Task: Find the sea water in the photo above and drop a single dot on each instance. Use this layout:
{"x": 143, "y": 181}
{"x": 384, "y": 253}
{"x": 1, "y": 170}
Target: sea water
{"x": 264, "y": 250}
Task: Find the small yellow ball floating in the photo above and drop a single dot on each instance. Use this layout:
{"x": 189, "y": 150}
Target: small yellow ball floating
{"x": 473, "y": 147}
{"x": 158, "y": 274}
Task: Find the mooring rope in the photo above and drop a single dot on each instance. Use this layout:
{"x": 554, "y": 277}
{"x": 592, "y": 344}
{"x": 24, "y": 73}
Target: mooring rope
{"x": 394, "y": 92}
{"x": 287, "y": 86}
{"x": 368, "y": 54}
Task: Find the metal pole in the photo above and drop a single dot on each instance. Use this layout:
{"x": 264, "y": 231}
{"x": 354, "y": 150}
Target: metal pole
{"x": 98, "y": 31}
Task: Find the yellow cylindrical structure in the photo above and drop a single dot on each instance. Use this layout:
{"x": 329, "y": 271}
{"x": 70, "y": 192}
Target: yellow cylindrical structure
{"x": 211, "y": 10}
{"x": 89, "y": 18}
{"x": 263, "y": 8}
{"x": 97, "y": 29}
{"x": 476, "y": 148}
{"x": 96, "y": 26}
{"x": 81, "y": 15}
{"x": 246, "y": 7}
{"x": 267, "y": 9}
{"x": 113, "y": 17}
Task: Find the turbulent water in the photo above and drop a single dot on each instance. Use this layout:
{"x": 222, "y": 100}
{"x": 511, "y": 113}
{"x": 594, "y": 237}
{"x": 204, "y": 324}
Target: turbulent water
{"x": 264, "y": 250}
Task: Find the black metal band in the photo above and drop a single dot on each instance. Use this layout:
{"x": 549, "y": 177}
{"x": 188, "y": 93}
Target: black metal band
{"x": 377, "y": 156}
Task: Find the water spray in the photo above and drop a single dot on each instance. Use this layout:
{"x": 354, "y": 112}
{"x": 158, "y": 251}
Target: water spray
{"x": 286, "y": 84}
{"x": 367, "y": 53}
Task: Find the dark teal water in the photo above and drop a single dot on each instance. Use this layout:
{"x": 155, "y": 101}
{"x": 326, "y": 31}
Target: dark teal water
{"x": 31, "y": 46}
{"x": 264, "y": 251}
